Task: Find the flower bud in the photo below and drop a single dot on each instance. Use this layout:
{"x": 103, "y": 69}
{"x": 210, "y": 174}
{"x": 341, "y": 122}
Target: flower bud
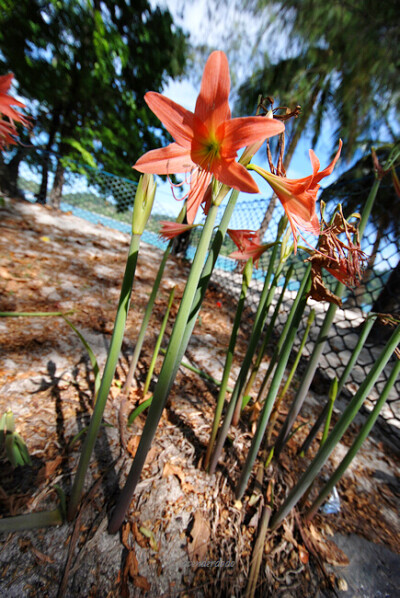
{"x": 143, "y": 203}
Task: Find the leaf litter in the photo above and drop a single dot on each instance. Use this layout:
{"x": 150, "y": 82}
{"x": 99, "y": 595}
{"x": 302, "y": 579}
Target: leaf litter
{"x": 180, "y": 516}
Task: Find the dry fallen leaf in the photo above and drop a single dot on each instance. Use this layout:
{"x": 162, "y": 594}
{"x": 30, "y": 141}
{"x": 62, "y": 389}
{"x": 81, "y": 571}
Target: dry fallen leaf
{"x": 141, "y": 582}
{"x": 139, "y": 537}
{"x": 48, "y": 469}
{"x": 131, "y": 564}
{"x": 170, "y": 469}
{"x": 132, "y": 445}
{"x": 303, "y": 555}
{"x": 200, "y": 535}
{"x": 326, "y": 549}
{"x": 126, "y": 530}
{"x": 4, "y": 273}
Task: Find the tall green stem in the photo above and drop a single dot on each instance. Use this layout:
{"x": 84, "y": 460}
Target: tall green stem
{"x": 268, "y": 332}
{"x": 284, "y": 333}
{"x": 354, "y": 356}
{"x": 158, "y": 343}
{"x": 258, "y": 325}
{"x": 167, "y": 374}
{"x": 31, "y": 521}
{"x": 269, "y": 401}
{"x": 148, "y": 311}
{"x": 340, "y": 428}
{"x": 321, "y": 340}
{"x": 256, "y": 334}
{"x": 247, "y": 274}
{"x": 367, "y": 427}
{"x": 108, "y": 374}
{"x": 281, "y": 396}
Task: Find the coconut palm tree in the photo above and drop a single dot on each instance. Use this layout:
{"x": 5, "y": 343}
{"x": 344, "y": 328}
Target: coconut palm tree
{"x": 341, "y": 66}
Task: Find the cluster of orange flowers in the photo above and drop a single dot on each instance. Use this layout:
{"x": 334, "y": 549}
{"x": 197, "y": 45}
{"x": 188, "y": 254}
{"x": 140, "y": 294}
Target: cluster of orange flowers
{"x": 8, "y": 130}
{"x": 206, "y": 146}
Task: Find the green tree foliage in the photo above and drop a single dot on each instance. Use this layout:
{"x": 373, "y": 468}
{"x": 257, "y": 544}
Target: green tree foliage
{"x": 341, "y": 63}
{"x": 83, "y": 69}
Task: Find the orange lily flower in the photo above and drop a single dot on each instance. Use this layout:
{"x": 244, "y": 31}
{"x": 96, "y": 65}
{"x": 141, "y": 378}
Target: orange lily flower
{"x": 7, "y": 128}
{"x": 298, "y": 196}
{"x": 248, "y": 243}
{"x": 170, "y": 230}
{"x": 206, "y": 141}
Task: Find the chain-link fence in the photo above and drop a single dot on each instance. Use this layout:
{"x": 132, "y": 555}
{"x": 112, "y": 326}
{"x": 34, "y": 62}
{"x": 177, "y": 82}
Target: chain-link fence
{"x": 101, "y": 197}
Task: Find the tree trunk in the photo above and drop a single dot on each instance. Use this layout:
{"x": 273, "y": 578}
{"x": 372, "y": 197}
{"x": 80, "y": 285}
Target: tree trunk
{"x": 56, "y": 192}
{"x": 41, "y": 196}
{"x": 9, "y": 174}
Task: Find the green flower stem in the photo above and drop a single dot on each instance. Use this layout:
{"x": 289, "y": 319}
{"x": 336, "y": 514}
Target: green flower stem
{"x": 32, "y": 314}
{"x": 149, "y": 309}
{"x": 365, "y": 430}
{"x": 247, "y": 274}
{"x": 272, "y": 393}
{"x": 167, "y": 374}
{"x": 258, "y": 553}
{"x": 203, "y": 284}
{"x": 258, "y": 325}
{"x": 92, "y": 357}
{"x": 340, "y": 428}
{"x": 354, "y": 356}
{"x": 139, "y": 409}
{"x": 199, "y": 372}
{"x": 195, "y": 308}
{"x": 310, "y": 321}
{"x": 275, "y": 411}
{"x": 321, "y": 340}
{"x": 268, "y": 333}
{"x": 333, "y": 393}
{"x": 158, "y": 343}
{"x": 309, "y": 372}
{"x": 31, "y": 521}
{"x": 254, "y": 338}
{"x": 108, "y": 375}
{"x": 368, "y": 207}
{"x": 284, "y": 333}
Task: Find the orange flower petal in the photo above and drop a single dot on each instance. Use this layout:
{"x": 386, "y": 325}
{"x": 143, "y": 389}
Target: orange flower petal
{"x": 234, "y": 175}
{"x": 170, "y": 230}
{"x": 329, "y": 169}
{"x": 176, "y": 119}
{"x": 6, "y": 101}
{"x": 172, "y": 159}
{"x": 239, "y": 132}
{"x": 6, "y": 132}
{"x": 248, "y": 242}
{"x": 198, "y": 187}
{"x": 212, "y": 105}
{"x": 5, "y": 82}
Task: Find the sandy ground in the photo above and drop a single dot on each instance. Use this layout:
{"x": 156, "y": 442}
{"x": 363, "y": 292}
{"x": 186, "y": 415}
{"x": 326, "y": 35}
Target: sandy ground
{"x": 180, "y": 515}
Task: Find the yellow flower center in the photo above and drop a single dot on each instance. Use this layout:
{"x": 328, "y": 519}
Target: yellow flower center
{"x": 205, "y": 151}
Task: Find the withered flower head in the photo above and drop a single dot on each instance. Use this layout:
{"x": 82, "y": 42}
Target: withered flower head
{"x": 342, "y": 257}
